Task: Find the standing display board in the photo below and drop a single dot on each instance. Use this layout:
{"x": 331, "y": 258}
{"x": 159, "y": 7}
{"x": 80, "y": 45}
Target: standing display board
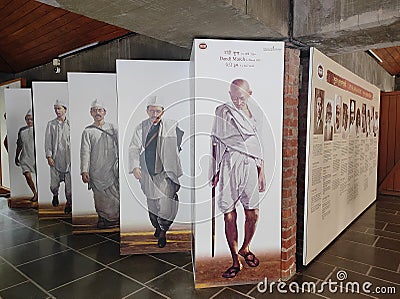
{"x": 52, "y": 141}
{"x": 154, "y": 117}
{"x": 342, "y": 151}
{"x": 5, "y": 174}
{"x": 18, "y": 104}
{"x": 238, "y": 112}
{"x": 94, "y": 151}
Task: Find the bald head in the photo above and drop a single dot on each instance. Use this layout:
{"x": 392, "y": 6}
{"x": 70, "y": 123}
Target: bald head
{"x": 240, "y": 92}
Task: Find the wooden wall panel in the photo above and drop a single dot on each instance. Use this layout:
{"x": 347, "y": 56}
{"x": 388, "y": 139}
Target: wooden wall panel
{"x": 389, "y": 143}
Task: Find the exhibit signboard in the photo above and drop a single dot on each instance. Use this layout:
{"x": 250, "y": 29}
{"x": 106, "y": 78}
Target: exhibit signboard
{"x": 341, "y": 152}
{"x": 238, "y": 112}
{"x": 21, "y": 147}
{"x": 53, "y": 157}
{"x": 94, "y": 152}
{"x": 154, "y": 126}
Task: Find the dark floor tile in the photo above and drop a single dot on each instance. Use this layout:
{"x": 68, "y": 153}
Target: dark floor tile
{"x": 141, "y": 267}
{"x": 383, "y": 233}
{"x": 189, "y": 267}
{"x": 245, "y": 288}
{"x": 388, "y": 244}
{"x": 9, "y": 276}
{"x": 112, "y": 236}
{"x": 395, "y": 228}
{"x": 178, "y": 258}
{"x": 58, "y": 269}
{"x": 7, "y": 223}
{"x": 24, "y": 290}
{"x": 390, "y": 218}
{"x": 385, "y": 274}
{"x": 285, "y": 293}
{"x": 18, "y": 236}
{"x": 27, "y": 252}
{"x": 317, "y": 270}
{"x": 360, "y": 279}
{"x": 388, "y": 205}
{"x": 103, "y": 284}
{"x": 342, "y": 293}
{"x": 56, "y": 230}
{"x": 145, "y": 293}
{"x": 179, "y": 284}
{"x": 230, "y": 293}
{"x": 105, "y": 253}
{"x": 365, "y": 254}
{"x": 359, "y": 237}
{"x": 80, "y": 241}
{"x": 343, "y": 263}
{"x": 383, "y": 210}
{"x": 388, "y": 198}
{"x": 362, "y": 225}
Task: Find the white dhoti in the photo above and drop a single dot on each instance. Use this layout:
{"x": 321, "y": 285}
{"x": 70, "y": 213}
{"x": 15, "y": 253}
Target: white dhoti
{"x": 107, "y": 202}
{"x": 238, "y": 182}
{"x": 56, "y": 178}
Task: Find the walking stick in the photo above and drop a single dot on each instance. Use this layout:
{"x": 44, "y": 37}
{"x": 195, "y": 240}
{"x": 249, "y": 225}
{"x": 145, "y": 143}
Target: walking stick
{"x": 214, "y": 153}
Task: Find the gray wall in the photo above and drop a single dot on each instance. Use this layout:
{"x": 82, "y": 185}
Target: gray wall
{"x": 102, "y": 58}
{"x": 367, "y": 68}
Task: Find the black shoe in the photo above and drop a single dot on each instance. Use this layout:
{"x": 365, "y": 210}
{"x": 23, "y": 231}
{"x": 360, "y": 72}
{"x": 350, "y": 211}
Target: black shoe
{"x": 103, "y": 223}
{"x": 55, "y": 201}
{"x": 157, "y": 232}
{"x": 68, "y": 208}
{"x": 162, "y": 242}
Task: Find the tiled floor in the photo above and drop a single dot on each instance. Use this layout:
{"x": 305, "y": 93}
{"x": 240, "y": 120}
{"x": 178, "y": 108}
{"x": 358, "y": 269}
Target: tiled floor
{"x": 42, "y": 259}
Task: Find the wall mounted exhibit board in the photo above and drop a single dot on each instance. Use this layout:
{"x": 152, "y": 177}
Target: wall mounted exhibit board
{"x": 341, "y": 152}
{"x": 52, "y": 141}
{"x": 94, "y": 152}
{"x": 5, "y": 174}
{"x": 150, "y": 202}
{"x": 18, "y": 105}
{"x": 238, "y": 111}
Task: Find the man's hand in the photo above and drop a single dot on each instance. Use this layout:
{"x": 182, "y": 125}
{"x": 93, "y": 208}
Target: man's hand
{"x": 137, "y": 173}
{"x": 17, "y": 161}
{"x": 215, "y": 180}
{"x": 261, "y": 181}
{"x": 50, "y": 161}
{"x": 85, "y": 177}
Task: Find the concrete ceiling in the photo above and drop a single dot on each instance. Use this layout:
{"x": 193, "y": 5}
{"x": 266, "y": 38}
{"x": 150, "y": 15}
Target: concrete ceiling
{"x": 333, "y": 26}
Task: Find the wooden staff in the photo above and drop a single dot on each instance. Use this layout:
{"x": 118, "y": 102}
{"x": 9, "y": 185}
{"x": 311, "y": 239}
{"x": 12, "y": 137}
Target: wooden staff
{"x": 214, "y": 154}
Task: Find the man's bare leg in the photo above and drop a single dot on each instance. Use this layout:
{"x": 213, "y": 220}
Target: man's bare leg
{"x": 231, "y": 235}
{"x": 31, "y": 184}
{"x": 249, "y": 230}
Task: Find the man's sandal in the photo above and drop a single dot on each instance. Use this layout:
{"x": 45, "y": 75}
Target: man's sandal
{"x": 250, "y": 259}
{"x": 232, "y": 272}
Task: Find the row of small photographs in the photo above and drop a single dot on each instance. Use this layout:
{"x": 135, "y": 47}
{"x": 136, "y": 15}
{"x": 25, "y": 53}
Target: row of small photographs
{"x": 364, "y": 122}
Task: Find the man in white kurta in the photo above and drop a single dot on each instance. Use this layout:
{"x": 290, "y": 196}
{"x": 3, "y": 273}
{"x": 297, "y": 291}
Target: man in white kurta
{"x": 99, "y": 166}
{"x": 58, "y": 154}
{"x": 25, "y": 153}
{"x": 154, "y": 161}
{"x": 238, "y": 168}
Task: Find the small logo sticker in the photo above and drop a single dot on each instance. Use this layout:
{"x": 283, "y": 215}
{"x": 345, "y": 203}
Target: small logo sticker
{"x": 203, "y": 46}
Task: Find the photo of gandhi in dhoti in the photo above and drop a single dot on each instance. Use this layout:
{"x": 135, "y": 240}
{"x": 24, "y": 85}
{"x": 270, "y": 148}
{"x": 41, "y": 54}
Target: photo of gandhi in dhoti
{"x": 238, "y": 170}
{"x": 99, "y": 165}
{"x": 154, "y": 161}
{"x": 25, "y": 153}
{"x": 58, "y": 154}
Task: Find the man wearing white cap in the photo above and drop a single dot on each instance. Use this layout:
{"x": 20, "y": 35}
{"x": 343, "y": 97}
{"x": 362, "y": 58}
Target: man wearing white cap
{"x": 25, "y": 152}
{"x": 58, "y": 154}
{"x": 154, "y": 161}
{"x": 99, "y": 165}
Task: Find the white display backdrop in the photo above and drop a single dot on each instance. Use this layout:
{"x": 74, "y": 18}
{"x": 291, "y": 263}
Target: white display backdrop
{"x": 83, "y": 88}
{"x": 341, "y": 172}
{"x": 5, "y": 172}
{"x": 215, "y": 64}
{"x": 44, "y": 96}
{"x": 137, "y": 81}
{"x": 18, "y": 102}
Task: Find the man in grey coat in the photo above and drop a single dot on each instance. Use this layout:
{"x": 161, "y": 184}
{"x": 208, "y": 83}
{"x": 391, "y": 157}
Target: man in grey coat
{"x": 154, "y": 161}
{"x": 99, "y": 166}
{"x": 58, "y": 154}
